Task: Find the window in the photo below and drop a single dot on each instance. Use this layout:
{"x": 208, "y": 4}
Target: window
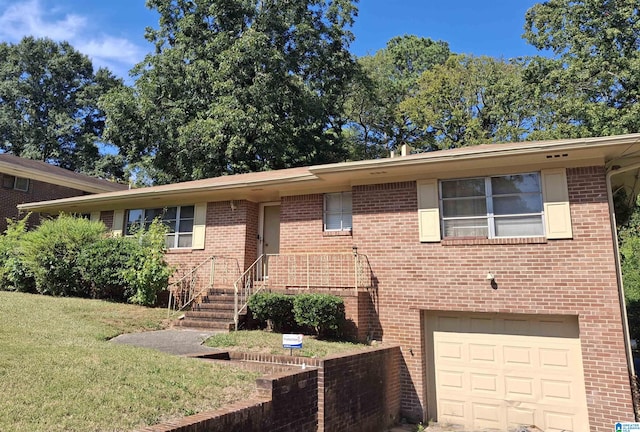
{"x": 178, "y": 219}
{"x": 17, "y": 183}
{"x": 499, "y": 206}
{"x": 337, "y": 211}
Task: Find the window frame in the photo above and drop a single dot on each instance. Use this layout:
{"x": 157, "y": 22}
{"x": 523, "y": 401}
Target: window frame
{"x": 14, "y": 182}
{"x": 490, "y": 217}
{"x": 176, "y": 234}
{"x": 342, "y": 212}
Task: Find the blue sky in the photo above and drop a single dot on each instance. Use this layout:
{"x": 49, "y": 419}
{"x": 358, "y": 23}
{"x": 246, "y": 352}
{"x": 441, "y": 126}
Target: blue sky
{"x": 112, "y": 32}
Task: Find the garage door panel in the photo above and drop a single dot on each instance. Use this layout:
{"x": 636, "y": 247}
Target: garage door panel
{"x": 517, "y": 356}
{"x": 482, "y": 353}
{"x": 498, "y": 380}
{"x": 556, "y": 390}
{"x": 484, "y": 383}
{"x": 450, "y": 350}
{"x": 556, "y": 358}
{"x": 453, "y": 409}
{"x": 520, "y": 416}
{"x": 519, "y": 388}
{"x": 558, "y": 422}
{"x": 451, "y": 379}
{"x": 487, "y": 415}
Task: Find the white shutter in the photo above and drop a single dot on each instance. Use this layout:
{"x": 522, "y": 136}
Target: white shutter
{"x": 199, "y": 226}
{"x": 118, "y": 223}
{"x": 94, "y": 216}
{"x": 428, "y": 211}
{"x": 557, "y": 215}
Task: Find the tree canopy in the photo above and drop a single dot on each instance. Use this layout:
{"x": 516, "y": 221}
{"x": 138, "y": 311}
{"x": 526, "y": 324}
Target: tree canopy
{"x": 48, "y": 106}
{"x": 387, "y": 78}
{"x": 236, "y": 86}
{"x": 591, "y": 81}
{"x": 471, "y": 100}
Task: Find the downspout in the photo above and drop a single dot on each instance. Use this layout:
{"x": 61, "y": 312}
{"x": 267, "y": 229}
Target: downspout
{"x": 616, "y": 254}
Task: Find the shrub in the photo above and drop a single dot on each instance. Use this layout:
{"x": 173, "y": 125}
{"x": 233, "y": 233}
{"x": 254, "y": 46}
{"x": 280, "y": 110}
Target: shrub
{"x": 51, "y": 252}
{"x": 274, "y": 307}
{"x": 103, "y": 265}
{"x": 322, "y": 312}
{"x": 14, "y": 275}
{"x": 147, "y": 272}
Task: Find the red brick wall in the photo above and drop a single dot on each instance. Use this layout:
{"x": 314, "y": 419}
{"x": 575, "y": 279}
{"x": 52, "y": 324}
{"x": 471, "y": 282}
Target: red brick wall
{"x": 38, "y": 191}
{"x": 302, "y": 217}
{"x": 567, "y": 277}
{"x": 360, "y": 392}
{"x": 288, "y": 402}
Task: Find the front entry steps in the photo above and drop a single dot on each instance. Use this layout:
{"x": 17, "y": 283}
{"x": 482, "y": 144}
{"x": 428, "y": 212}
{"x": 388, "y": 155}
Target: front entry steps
{"x": 214, "y": 311}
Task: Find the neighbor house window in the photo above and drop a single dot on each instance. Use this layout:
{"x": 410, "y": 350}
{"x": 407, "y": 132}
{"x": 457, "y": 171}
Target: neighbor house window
{"x": 337, "y": 211}
{"x": 178, "y": 219}
{"x": 17, "y": 183}
{"x": 490, "y": 207}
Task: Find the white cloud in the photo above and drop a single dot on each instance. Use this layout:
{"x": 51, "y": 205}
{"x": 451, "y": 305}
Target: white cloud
{"x": 111, "y": 52}
{"x": 30, "y": 18}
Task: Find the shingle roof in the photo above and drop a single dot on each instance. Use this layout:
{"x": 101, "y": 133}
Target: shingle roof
{"x": 43, "y": 171}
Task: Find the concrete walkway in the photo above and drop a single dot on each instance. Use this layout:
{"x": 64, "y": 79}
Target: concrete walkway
{"x": 177, "y": 342}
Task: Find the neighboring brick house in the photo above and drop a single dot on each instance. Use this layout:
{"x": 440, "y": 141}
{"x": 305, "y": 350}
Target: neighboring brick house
{"x": 26, "y": 180}
{"x": 493, "y": 267}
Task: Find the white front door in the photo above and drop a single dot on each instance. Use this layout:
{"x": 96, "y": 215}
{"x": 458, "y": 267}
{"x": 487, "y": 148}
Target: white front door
{"x": 271, "y": 229}
{"x": 268, "y": 233}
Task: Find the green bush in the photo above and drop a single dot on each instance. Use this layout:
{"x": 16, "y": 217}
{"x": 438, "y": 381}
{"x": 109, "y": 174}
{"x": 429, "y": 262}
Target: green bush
{"x": 322, "y": 312}
{"x": 148, "y": 273}
{"x": 274, "y": 307}
{"x": 14, "y": 275}
{"x": 51, "y": 251}
{"x": 103, "y": 265}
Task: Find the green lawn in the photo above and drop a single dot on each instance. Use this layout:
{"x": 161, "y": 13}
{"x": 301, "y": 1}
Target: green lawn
{"x": 58, "y": 372}
{"x": 271, "y": 343}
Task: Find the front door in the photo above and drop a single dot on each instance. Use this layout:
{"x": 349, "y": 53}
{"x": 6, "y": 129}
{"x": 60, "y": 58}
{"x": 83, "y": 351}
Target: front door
{"x": 271, "y": 230}
{"x": 269, "y": 234}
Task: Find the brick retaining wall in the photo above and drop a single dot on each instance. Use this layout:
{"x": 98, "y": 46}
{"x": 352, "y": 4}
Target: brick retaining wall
{"x": 356, "y": 392}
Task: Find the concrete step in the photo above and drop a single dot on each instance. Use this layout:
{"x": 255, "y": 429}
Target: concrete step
{"x": 209, "y": 315}
{"x": 217, "y": 299}
{"x": 213, "y": 305}
{"x": 204, "y": 324}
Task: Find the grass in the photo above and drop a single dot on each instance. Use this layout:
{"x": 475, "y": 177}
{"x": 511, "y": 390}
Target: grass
{"x": 58, "y": 372}
{"x": 271, "y": 343}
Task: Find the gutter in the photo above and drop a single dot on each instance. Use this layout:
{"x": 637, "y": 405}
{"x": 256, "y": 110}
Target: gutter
{"x": 616, "y": 254}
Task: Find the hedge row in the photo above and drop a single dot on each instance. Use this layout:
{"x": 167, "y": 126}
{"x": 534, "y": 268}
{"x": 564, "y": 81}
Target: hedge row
{"x": 70, "y": 256}
{"x": 323, "y": 313}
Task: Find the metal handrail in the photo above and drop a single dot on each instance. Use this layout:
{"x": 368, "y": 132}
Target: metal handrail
{"x": 301, "y": 271}
{"x": 188, "y": 284}
{"x": 247, "y": 279}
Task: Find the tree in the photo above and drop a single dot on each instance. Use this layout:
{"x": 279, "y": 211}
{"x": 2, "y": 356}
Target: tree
{"x": 236, "y": 86}
{"x": 591, "y": 83}
{"x": 388, "y": 78}
{"x": 471, "y": 100}
{"x": 48, "y": 106}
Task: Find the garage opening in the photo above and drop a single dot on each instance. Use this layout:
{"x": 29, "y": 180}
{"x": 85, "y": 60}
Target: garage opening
{"x": 501, "y": 371}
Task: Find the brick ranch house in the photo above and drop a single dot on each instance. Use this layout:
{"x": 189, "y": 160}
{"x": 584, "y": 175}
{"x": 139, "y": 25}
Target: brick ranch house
{"x": 493, "y": 267}
{"x": 26, "y": 180}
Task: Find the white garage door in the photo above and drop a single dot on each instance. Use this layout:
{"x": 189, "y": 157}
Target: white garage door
{"x": 504, "y": 371}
